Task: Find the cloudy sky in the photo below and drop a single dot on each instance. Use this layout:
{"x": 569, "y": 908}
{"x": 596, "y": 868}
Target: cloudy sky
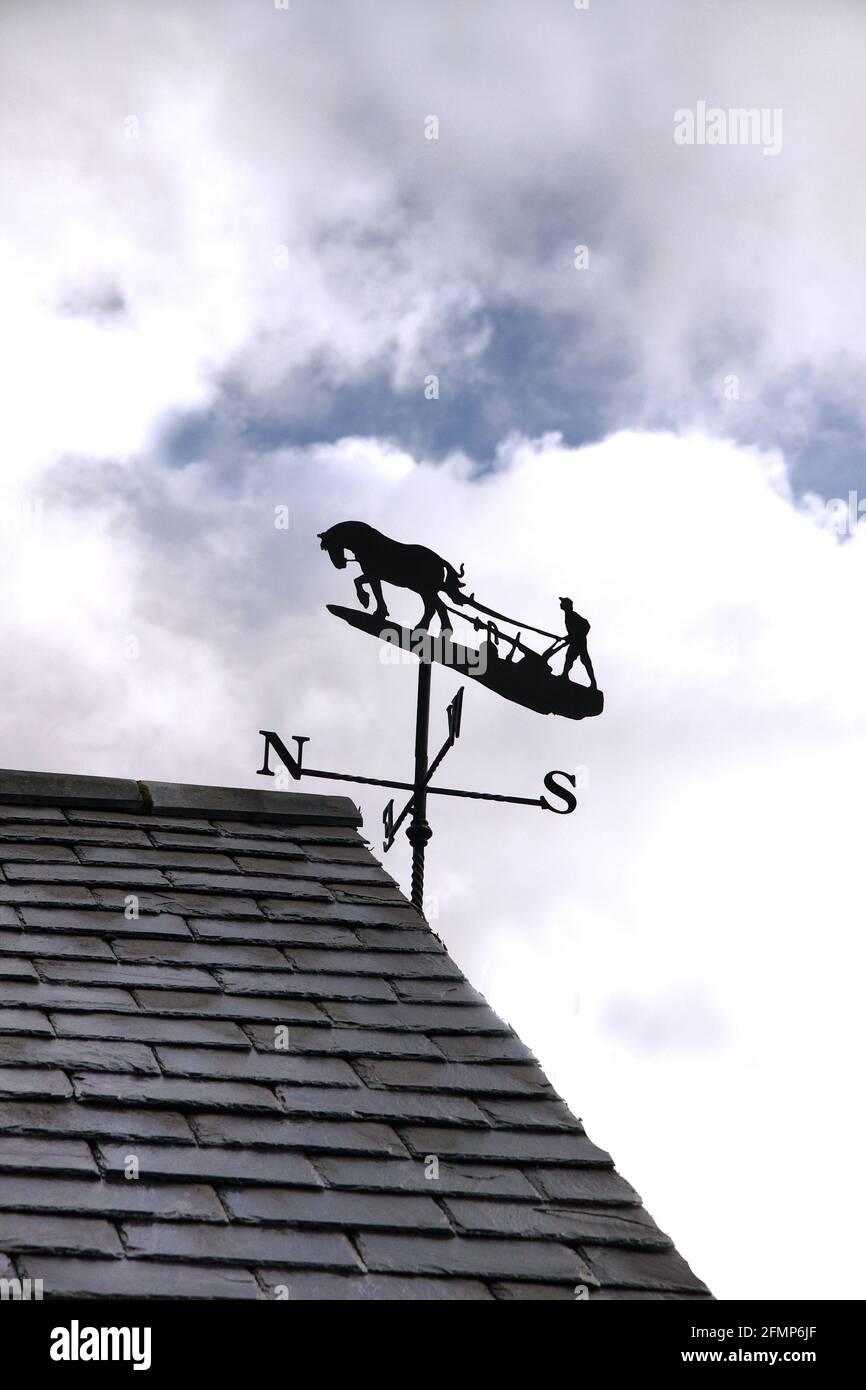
{"x": 231, "y": 259}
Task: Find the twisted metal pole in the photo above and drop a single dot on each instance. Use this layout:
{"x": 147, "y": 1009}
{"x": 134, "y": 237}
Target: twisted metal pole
{"x": 419, "y": 832}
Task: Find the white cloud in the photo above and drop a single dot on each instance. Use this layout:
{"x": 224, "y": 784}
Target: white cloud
{"x": 279, "y": 214}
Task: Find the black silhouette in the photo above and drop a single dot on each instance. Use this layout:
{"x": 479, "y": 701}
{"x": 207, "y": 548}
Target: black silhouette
{"x": 526, "y": 679}
{"x": 503, "y": 662}
{"x": 577, "y": 631}
{"x": 391, "y": 562}
{"x": 522, "y": 674}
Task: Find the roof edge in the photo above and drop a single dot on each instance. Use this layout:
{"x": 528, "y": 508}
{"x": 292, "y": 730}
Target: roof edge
{"x": 61, "y": 789}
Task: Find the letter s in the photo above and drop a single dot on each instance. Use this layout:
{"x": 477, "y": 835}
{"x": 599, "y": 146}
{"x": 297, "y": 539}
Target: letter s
{"x": 568, "y": 797}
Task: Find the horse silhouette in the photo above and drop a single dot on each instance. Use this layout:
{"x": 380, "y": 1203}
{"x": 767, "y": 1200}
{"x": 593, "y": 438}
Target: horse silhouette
{"x": 391, "y": 562}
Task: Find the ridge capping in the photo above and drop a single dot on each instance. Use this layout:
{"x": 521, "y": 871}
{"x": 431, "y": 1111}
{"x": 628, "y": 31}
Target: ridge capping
{"x": 60, "y": 789}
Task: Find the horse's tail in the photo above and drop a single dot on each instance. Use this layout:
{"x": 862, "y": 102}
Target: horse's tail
{"x": 454, "y": 582}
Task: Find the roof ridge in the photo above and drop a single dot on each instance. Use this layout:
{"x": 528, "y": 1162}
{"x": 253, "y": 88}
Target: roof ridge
{"x": 60, "y": 789}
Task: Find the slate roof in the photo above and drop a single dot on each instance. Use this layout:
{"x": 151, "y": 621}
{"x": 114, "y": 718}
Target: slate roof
{"x": 153, "y": 1042}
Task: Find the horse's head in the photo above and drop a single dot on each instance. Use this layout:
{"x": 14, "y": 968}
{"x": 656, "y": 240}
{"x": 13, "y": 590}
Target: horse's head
{"x": 335, "y": 550}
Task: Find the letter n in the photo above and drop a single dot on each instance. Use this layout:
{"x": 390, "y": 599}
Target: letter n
{"x": 273, "y": 740}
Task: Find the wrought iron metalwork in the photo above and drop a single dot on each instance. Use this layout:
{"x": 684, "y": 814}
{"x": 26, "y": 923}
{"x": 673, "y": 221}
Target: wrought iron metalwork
{"x": 525, "y": 678}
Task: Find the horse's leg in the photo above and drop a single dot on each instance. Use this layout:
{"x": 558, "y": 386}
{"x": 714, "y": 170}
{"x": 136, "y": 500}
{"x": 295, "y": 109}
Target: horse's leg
{"x": 444, "y": 616}
{"x": 361, "y": 591}
{"x": 381, "y": 609}
{"x": 429, "y": 599}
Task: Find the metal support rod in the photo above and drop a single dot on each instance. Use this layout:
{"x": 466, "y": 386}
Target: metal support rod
{"x": 419, "y": 831}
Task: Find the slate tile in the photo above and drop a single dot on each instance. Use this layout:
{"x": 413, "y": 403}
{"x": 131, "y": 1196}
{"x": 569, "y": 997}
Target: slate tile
{"x": 272, "y": 933}
{"x": 295, "y": 864}
{"x": 347, "y": 1042}
{"x": 64, "y": 833}
{"x": 47, "y": 895}
{"x": 229, "y": 1006}
{"x": 251, "y": 830}
{"x": 358, "y": 1102}
{"x": 226, "y": 844}
{"x": 303, "y": 986}
{"x": 146, "y": 951}
{"x": 69, "y": 1156}
{"x": 384, "y": 939}
{"x": 435, "y": 1018}
{"x": 344, "y": 854}
{"x": 582, "y": 1185}
{"x": 388, "y": 964}
{"x": 78, "y": 1054}
{"x": 306, "y": 889}
{"x": 151, "y": 977}
{"x": 438, "y": 992}
{"x": 466, "y": 1047}
{"x": 328, "y": 1208}
{"x": 455, "y": 1178}
{"x": 167, "y": 1092}
{"x": 592, "y": 1226}
{"x": 313, "y": 1136}
{"x": 92, "y": 1122}
{"x": 37, "y": 1083}
{"x": 50, "y": 996}
{"x": 275, "y": 1066}
{"x": 12, "y": 969}
{"x": 345, "y": 914}
{"x": 48, "y": 946}
{"x": 639, "y": 1295}
{"x": 490, "y": 1259}
{"x": 323, "y": 871}
{"x": 71, "y": 1278}
{"x": 75, "y": 1235}
{"x": 179, "y": 904}
{"x": 156, "y": 858}
{"x": 102, "y": 923}
{"x": 143, "y": 822}
{"x": 127, "y": 878}
{"x": 41, "y": 853}
{"x": 164, "y": 1202}
{"x": 213, "y": 1164}
{"x": 9, "y": 917}
{"x": 47, "y": 814}
{"x": 453, "y": 1076}
{"x": 534, "y": 1113}
{"x": 295, "y": 834}
{"x": 149, "y": 1029}
{"x": 531, "y": 1291}
{"x": 266, "y": 852}
{"x": 29, "y": 1022}
{"x": 253, "y": 1245}
{"x": 502, "y": 1145}
{"x": 384, "y": 891}
{"x": 338, "y": 1288}
{"x": 641, "y": 1270}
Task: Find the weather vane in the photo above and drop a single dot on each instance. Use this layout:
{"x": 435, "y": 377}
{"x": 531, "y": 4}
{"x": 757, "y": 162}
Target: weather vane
{"x": 502, "y": 662}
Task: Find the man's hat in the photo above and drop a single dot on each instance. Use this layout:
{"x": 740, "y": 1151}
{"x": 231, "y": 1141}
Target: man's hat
{"x": 566, "y": 600}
